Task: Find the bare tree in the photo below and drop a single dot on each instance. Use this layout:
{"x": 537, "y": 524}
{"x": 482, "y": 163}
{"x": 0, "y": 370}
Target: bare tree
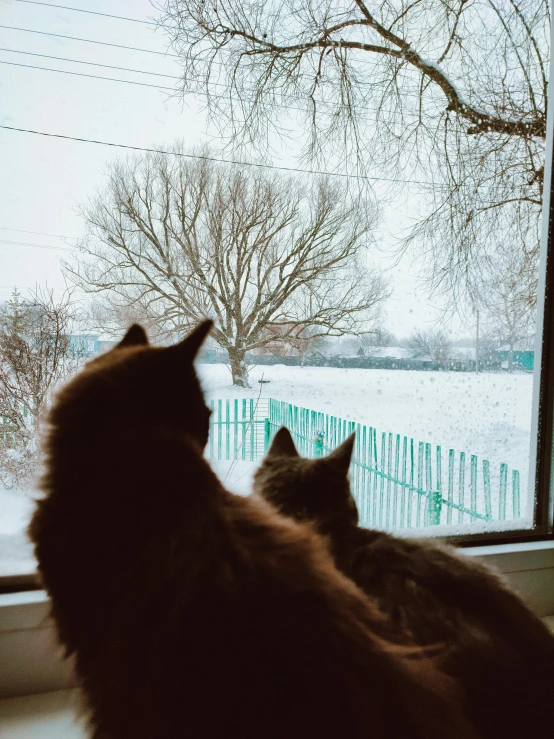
{"x": 509, "y": 316}
{"x": 450, "y": 94}
{"x": 378, "y": 338}
{"x": 435, "y": 344}
{"x": 267, "y": 257}
{"x": 112, "y": 318}
{"x": 36, "y": 355}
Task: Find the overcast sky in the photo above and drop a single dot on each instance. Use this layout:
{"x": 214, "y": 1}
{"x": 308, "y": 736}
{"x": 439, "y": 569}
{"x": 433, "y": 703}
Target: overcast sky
{"x": 44, "y": 179}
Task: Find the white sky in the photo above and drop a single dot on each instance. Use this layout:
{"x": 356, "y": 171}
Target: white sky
{"x": 43, "y": 179}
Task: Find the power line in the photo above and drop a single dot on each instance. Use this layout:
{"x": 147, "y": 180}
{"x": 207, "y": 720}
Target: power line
{"x": 132, "y": 82}
{"x": 37, "y": 233}
{"x": 90, "y": 76}
{"x": 144, "y": 51}
{"x": 129, "y": 82}
{"x": 146, "y": 84}
{"x": 91, "y": 12}
{"x": 89, "y": 41}
{"x": 344, "y": 175}
{"x": 125, "y": 69}
{"x": 37, "y": 246}
{"x": 91, "y": 64}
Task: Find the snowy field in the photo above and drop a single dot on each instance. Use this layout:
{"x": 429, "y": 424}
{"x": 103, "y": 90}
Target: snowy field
{"x": 487, "y": 414}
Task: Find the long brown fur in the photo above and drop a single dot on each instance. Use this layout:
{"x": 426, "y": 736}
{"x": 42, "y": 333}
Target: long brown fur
{"x": 193, "y": 612}
{"x": 501, "y": 653}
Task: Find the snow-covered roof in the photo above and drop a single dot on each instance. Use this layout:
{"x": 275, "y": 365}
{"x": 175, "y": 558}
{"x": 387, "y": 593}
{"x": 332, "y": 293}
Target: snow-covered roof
{"x": 524, "y": 345}
{"x": 390, "y": 352}
{"x": 107, "y": 337}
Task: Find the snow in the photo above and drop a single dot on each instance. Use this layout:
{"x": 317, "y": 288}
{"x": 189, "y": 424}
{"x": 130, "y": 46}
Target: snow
{"x": 236, "y": 476}
{"x": 16, "y": 553}
{"x": 391, "y": 352}
{"x": 487, "y": 414}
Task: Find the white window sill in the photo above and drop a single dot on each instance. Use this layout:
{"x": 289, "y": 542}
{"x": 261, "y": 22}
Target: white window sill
{"x": 55, "y": 715}
{"x": 31, "y": 661}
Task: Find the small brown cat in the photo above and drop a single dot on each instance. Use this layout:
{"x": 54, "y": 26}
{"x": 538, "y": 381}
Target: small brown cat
{"x": 193, "y": 612}
{"x": 502, "y": 655}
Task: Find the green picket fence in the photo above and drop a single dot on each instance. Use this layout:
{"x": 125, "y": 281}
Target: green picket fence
{"x": 400, "y": 483}
{"x": 238, "y": 429}
{"x": 397, "y": 482}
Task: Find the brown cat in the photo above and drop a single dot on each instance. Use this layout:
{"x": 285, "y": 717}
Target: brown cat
{"x": 502, "y": 655}
{"x": 193, "y": 612}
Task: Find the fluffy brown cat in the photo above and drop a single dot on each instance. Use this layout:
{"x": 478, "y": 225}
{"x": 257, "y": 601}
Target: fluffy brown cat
{"x": 502, "y": 655}
{"x": 193, "y": 612}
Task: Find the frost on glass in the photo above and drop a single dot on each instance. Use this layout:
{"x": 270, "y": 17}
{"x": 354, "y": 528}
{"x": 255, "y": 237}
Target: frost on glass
{"x": 352, "y": 191}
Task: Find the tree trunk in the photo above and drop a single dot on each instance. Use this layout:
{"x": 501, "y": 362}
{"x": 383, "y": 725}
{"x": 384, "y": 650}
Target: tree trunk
{"x": 511, "y": 359}
{"x": 239, "y": 370}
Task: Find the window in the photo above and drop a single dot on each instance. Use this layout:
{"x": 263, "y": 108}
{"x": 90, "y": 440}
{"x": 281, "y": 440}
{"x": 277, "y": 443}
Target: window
{"x": 363, "y": 193}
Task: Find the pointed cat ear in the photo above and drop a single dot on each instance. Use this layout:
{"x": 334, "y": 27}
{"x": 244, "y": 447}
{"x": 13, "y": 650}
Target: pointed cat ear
{"x": 282, "y": 445}
{"x": 341, "y": 457}
{"x": 190, "y": 345}
{"x": 135, "y": 336}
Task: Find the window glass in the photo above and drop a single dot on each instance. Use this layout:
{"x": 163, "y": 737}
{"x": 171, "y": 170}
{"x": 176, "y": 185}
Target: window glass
{"x": 353, "y": 191}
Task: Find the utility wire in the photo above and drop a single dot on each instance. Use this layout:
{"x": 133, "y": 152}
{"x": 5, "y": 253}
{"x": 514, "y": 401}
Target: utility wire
{"x": 37, "y": 233}
{"x": 131, "y": 82}
{"x": 80, "y": 10}
{"x": 90, "y": 76}
{"x": 146, "y": 84}
{"x": 89, "y": 41}
{"x": 37, "y": 246}
{"x": 145, "y": 51}
{"x": 344, "y": 175}
{"x": 90, "y": 64}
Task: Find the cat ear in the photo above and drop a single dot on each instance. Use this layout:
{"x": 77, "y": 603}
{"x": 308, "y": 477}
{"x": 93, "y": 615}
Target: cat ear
{"x": 191, "y": 344}
{"x": 341, "y": 457}
{"x": 282, "y": 445}
{"x": 135, "y": 336}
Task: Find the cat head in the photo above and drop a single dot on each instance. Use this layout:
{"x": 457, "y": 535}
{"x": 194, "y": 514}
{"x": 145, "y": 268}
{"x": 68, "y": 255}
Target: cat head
{"x": 134, "y": 385}
{"x": 308, "y": 489}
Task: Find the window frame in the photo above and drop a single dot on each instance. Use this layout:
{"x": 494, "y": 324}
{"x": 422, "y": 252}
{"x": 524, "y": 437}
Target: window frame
{"x": 540, "y": 478}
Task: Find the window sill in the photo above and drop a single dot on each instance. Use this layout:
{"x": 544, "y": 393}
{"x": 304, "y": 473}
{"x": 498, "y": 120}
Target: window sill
{"x": 31, "y": 660}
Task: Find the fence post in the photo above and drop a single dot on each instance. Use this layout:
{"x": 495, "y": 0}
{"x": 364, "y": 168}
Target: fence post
{"x": 435, "y": 508}
{"x": 267, "y": 434}
{"x": 515, "y": 494}
{"x": 318, "y": 444}
{"x": 502, "y": 495}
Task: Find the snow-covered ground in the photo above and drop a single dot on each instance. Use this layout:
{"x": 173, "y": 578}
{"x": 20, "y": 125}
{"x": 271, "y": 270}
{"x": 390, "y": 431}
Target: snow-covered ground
{"x": 16, "y": 555}
{"x": 486, "y": 414}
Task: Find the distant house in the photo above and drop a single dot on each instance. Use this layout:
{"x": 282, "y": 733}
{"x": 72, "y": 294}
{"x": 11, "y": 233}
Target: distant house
{"x": 523, "y": 354}
{"x": 89, "y": 345}
{"x": 105, "y": 343}
{"x": 83, "y": 345}
{"x": 389, "y": 352}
